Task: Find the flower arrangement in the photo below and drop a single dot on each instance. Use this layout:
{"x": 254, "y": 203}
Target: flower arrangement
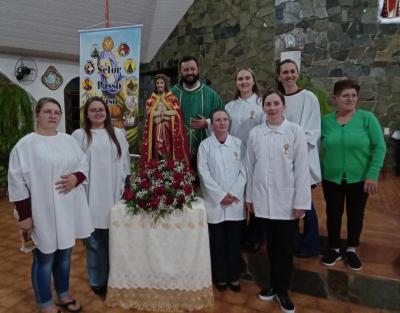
{"x": 160, "y": 188}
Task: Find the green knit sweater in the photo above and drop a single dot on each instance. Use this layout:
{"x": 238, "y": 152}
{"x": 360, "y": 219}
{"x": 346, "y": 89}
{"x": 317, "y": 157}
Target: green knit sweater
{"x": 355, "y": 150}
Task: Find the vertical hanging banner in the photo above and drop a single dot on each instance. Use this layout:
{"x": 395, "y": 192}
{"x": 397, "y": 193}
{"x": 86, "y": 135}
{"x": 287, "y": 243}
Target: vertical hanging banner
{"x": 109, "y": 68}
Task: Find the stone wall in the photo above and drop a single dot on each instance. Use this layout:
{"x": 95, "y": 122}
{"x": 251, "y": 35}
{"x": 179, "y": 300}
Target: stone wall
{"x": 339, "y": 39}
{"x": 225, "y": 35}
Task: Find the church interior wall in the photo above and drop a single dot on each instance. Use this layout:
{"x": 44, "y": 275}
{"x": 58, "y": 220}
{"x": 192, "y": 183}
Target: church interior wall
{"x": 225, "y": 36}
{"x": 342, "y": 39}
{"x": 67, "y": 69}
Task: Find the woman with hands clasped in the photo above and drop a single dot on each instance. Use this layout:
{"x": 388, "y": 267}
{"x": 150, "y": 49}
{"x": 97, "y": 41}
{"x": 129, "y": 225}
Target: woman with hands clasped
{"x": 222, "y": 180}
{"x": 46, "y": 170}
{"x": 353, "y": 150}
{"x": 278, "y": 190}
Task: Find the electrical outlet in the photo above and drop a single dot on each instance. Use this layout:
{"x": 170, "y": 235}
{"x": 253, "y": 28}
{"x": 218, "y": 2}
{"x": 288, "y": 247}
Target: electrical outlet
{"x": 386, "y": 131}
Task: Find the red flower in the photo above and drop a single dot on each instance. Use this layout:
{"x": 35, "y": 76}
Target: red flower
{"x": 143, "y": 175}
{"x": 153, "y": 164}
{"x": 179, "y": 177}
{"x": 129, "y": 194}
{"x": 145, "y": 184}
{"x": 142, "y": 203}
{"x": 159, "y": 175}
{"x": 176, "y": 185}
{"x": 170, "y": 164}
{"x": 154, "y": 202}
{"x": 169, "y": 200}
{"x": 187, "y": 189}
{"x": 159, "y": 190}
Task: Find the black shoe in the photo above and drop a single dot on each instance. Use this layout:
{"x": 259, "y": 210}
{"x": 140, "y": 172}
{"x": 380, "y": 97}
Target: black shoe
{"x": 100, "y": 291}
{"x": 353, "y": 262}
{"x": 235, "y": 287}
{"x": 330, "y": 258}
{"x": 286, "y": 304}
{"x": 267, "y": 294}
{"x": 221, "y": 287}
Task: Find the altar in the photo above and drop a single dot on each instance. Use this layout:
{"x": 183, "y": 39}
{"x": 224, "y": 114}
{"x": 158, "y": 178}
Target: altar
{"x": 163, "y": 266}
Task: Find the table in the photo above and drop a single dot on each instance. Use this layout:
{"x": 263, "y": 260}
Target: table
{"x": 160, "y": 267}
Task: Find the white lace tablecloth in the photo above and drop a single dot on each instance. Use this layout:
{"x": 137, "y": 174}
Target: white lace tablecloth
{"x": 163, "y": 266}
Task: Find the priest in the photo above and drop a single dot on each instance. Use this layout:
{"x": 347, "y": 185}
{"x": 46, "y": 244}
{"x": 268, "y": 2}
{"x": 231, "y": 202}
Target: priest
{"x": 197, "y": 102}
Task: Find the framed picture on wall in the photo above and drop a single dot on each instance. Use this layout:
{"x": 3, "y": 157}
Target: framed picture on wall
{"x": 52, "y": 79}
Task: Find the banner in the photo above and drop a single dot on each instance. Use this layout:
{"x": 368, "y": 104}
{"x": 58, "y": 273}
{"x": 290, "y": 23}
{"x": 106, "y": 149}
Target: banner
{"x": 109, "y": 68}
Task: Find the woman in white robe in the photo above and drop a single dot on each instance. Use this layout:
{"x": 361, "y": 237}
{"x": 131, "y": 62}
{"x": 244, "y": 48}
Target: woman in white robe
{"x": 109, "y": 165}
{"x": 46, "y": 170}
{"x": 246, "y": 112}
{"x": 278, "y": 191}
{"x": 302, "y": 108}
{"x": 222, "y": 181}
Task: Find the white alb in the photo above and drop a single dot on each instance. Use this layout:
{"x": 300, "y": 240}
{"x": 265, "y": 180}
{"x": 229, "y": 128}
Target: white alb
{"x": 107, "y": 172}
{"x": 36, "y": 163}
{"x": 221, "y": 170}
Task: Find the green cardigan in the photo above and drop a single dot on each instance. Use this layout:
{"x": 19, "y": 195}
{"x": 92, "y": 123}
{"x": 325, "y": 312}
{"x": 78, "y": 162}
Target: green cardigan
{"x": 355, "y": 151}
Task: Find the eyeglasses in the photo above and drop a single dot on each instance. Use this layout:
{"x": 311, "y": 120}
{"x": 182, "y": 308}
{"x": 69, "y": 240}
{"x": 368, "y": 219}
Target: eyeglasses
{"x": 98, "y": 110}
{"x": 50, "y": 112}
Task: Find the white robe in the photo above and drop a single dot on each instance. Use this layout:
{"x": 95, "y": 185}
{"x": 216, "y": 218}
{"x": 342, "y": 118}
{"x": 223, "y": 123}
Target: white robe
{"x": 245, "y": 114}
{"x": 303, "y": 109}
{"x": 221, "y": 170}
{"x": 277, "y": 171}
{"x": 107, "y": 172}
{"x": 36, "y": 164}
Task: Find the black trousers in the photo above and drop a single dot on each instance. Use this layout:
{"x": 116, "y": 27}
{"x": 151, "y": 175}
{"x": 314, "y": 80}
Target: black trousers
{"x": 225, "y": 251}
{"x": 281, "y": 238}
{"x": 252, "y": 232}
{"x": 335, "y": 197}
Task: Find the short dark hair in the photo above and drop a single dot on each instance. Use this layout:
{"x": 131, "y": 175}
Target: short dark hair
{"x": 42, "y": 101}
{"x": 219, "y": 110}
{"x": 187, "y": 59}
{"x": 270, "y": 92}
{"x": 345, "y": 84}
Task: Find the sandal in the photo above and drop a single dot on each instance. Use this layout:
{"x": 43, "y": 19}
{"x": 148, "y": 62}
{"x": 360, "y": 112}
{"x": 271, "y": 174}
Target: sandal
{"x": 66, "y": 304}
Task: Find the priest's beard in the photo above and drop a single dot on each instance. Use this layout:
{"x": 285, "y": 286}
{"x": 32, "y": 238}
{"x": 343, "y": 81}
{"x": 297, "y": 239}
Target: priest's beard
{"x": 191, "y": 81}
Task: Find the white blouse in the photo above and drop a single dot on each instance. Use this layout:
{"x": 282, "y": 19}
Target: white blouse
{"x": 245, "y": 114}
{"x": 277, "y": 171}
{"x": 36, "y": 163}
{"x": 303, "y": 109}
{"x": 221, "y": 170}
{"x": 107, "y": 172}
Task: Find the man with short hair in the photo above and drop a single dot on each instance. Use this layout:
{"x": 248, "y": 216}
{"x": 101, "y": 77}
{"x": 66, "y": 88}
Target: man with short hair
{"x": 197, "y": 102}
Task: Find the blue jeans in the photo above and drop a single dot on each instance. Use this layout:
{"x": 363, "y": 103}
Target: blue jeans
{"x": 308, "y": 242}
{"x": 58, "y": 263}
{"x": 97, "y": 258}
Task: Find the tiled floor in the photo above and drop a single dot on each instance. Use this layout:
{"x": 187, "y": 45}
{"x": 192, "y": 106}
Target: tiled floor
{"x": 380, "y": 251}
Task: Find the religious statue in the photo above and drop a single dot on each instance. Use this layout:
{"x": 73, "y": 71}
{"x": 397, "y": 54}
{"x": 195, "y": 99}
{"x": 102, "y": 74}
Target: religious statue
{"x": 390, "y": 9}
{"x": 164, "y": 130}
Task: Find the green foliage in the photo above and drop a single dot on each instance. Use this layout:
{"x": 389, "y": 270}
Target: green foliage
{"x": 16, "y": 117}
{"x": 323, "y": 97}
{"x": 3, "y": 177}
